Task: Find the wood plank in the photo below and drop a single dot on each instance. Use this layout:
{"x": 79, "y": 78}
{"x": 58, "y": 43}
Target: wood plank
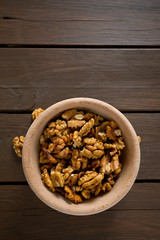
{"x": 142, "y": 196}
{"x": 115, "y": 225}
{"x": 24, "y": 216}
{"x": 97, "y": 22}
{"x": 125, "y": 78}
{"x": 146, "y": 125}
{"x": 78, "y": 10}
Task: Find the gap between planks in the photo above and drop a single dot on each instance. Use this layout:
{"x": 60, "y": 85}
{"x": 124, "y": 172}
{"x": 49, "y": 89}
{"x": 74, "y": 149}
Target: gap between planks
{"x": 82, "y": 46}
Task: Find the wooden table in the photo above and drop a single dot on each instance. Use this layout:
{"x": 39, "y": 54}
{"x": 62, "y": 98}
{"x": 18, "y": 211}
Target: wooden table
{"x": 53, "y": 50}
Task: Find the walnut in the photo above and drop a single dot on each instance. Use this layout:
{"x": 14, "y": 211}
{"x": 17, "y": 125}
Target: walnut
{"x": 97, "y": 154}
{"x": 97, "y": 189}
{"x": 36, "y": 113}
{"x": 106, "y": 187}
{"x": 139, "y": 139}
{"x": 63, "y": 154}
{"x": 78, "y": 188}
{"x": 72, "y": 195}
{"x": 110, "y": 179}
{"x": 76, "y": 162}
{"x": 86, "y": 128}
{"x": 95, "y": 164}
{"x": 115, "y": 164}
{"x": 105, "y": 165}
{"x": 49, "y": 132}
{"x": 70, "y": 113}
{"x": 72, "y": 179}
{"x": 46, "y": 179}
{"x": 110, "y": 133}
{"x": 118, "y": 144}
{"x": 60, "y": 125}
{"x": 57, "y": 145}
{"x": 101, "y": 135}
{"x": 93, "y": 182}
{"x": 67, "y": 137}
{"x": 75, "y": 124}
{"x": 118, "y": 170}
{"x": 46, "y": 157}
{"x": 57, "y": 178}
{"x": 47, "y": 166}
{"x": 77, "y": 140}
{"x": 98, "y": 119}
{"x": 84, "y": 162}
{"x": 55, "y": 128}
{"x": 60, "y": 166}
{"x": 90, "y": 141}
{"x": 86, "y": 194}
{"x": 86, "y": 153}
{"x": 113, "y": 151}
{"x": 103, "y": 126}
{"x": 18, "y": 145}
{"x": 90, "y": 147}
{"x": 113, "y": 124}
{"x": 67, "y": 171}
{"x": 88, "y": 116}
{"x": 94, "y": 150}
{"x": 87, "y": 176}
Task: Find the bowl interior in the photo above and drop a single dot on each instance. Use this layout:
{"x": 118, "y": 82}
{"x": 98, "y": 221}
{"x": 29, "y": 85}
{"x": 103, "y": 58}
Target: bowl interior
{"x": 130, "y": 158}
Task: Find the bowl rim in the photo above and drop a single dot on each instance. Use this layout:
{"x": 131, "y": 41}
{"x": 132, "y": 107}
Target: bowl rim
{"x": 30, "y": 132}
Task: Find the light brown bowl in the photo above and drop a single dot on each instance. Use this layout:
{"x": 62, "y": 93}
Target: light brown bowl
{"x": 130, "y": 158}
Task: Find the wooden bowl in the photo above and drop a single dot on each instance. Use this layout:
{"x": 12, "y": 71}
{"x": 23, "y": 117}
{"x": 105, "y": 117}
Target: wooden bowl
{"x": 130, "y": 158}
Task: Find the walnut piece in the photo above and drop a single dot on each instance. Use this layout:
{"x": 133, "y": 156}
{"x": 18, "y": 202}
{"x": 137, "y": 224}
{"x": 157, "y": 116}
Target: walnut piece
{"x": 77, "y": 140}
{"x": 46, "y": 157}
{"x": 57, "y": 178}
{"x": 87, "y": 176}
{"x": 86, "y": 194}
{"x": 36, "y": 113}
{"x": 86, "y": 128}
{"x": 139, "y": 139}
{"x": 71, "y": 195}
{"x": 94, "y": 182}
{"x": 46, "y": 179}
{"x": 106, "y": 187}
{"x": 93, "y": 149}
{"x": 105, "y": 165}
{"x": 60, "y": 166}
{"x": 18, "y": 145}
{"x": 75, "y": 124}
{"x": 67, "y": 171}
{"x": 76, "y": 161}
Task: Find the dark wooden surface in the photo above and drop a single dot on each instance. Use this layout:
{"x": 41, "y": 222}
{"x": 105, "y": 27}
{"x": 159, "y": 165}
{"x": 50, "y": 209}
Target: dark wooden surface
{"x": 53, "y": 50}
{"x": 97, "y": 22}
{"x": 129, "y": 79}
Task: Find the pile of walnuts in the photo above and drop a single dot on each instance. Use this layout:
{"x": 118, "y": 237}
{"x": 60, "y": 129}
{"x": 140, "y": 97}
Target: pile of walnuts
{"x": 79, "y": 155}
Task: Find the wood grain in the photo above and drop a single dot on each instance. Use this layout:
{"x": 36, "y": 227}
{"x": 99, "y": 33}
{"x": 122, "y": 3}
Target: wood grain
{"x": 145, "y": 124}
{"x": 27, "y": 217}
{"x": 14, "y": 196}
{"x": 78, "y": 10}
{"x": 125, "y": 78}
{"x": 80, "y": 23}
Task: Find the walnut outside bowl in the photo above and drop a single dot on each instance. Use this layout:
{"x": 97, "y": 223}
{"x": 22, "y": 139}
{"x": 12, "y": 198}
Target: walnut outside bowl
{"x": 130, "y": 158}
